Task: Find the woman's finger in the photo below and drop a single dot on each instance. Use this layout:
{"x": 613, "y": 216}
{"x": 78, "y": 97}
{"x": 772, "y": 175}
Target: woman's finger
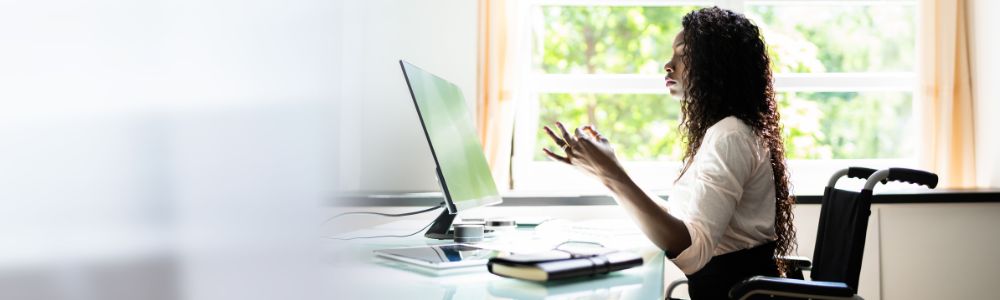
{"x": 596, "y": 134}
{"x": 554, "y": 156}
{"x": 580, "y": 134}
{"x": 559, "y": 142}
{"x": 566, "y": 137}
{"x": 593, "y": 132}
{"x": 585, "y": 143}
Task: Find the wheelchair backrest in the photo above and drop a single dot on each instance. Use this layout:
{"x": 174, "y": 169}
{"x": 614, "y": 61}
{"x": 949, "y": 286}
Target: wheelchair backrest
{"x": 840, "y": 239}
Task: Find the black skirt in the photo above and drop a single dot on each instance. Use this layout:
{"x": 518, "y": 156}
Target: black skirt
{"x": 721, "y": 273}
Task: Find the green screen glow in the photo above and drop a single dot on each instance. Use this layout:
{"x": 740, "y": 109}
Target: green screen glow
{"x": 453, "y": 141}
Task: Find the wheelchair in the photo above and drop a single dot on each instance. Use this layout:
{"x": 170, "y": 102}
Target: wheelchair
{"x": 840, "y": 243}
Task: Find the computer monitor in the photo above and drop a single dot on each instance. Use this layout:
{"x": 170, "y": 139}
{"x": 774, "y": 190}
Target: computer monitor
{"x": 462, "y": 170}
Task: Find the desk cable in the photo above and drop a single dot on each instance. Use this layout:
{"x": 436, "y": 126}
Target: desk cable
{"x": 385, "y": 215}
{"x": 577, "y": 242}
{"x": 576, "y": 255}
{"x": 380, "y": 236}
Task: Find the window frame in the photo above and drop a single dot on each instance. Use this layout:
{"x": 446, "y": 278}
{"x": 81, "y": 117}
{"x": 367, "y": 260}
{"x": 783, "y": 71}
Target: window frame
{"x": 808, "y": 176}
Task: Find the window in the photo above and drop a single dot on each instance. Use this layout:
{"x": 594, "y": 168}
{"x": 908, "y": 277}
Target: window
{"x": 844, "y": 73}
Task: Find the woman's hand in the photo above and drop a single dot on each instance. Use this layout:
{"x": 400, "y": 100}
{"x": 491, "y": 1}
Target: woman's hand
{"x": 588, "y": 150}
{"x": 591, "y": 152}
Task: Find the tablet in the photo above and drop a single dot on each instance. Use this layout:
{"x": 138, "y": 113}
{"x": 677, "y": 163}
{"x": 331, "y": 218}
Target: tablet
{"x": 440, "y": 256}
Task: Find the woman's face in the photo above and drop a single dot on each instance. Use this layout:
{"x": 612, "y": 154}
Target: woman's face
{"x": 675, "y": 68}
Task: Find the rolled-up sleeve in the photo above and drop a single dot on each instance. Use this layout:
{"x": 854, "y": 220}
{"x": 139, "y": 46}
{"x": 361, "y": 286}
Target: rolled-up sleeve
{"x": 720, "y": 167}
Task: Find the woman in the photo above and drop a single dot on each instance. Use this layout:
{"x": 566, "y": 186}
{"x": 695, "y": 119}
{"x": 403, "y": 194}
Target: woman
{"x": 730, "y": 211}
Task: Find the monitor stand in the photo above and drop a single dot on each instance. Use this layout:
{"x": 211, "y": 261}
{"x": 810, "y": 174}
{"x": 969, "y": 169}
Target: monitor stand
{"x": 440, "y": 229}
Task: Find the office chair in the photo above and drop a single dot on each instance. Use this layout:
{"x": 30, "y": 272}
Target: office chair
{"x": 840, "y": 243}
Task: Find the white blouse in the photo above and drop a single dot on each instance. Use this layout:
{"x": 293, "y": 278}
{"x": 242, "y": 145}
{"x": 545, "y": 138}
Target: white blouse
{"x": 726, "y": 198}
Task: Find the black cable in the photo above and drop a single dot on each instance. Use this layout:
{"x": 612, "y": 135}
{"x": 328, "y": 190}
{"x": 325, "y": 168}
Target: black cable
{"x": 386, "y": 215}
{"x": 381, "y": 236}
{"x": 383, "y": 214}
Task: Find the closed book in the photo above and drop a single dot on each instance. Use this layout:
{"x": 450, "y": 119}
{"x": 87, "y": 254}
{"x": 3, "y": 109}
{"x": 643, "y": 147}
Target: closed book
{"x": 556, "y": 265}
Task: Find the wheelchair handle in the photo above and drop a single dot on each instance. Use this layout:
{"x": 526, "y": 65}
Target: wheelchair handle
{"x": 860, "y": 172}
{"x": 873, "y": 177}
{"x": 852, "y": 172}
{"x": 902, "y": 175}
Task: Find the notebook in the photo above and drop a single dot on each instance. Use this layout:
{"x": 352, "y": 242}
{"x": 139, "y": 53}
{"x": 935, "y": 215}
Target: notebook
{"x": 558, "y": 265}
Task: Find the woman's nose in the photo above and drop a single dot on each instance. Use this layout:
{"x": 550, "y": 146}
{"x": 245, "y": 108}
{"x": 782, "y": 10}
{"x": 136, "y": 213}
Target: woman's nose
{"x": 667, "y": 68}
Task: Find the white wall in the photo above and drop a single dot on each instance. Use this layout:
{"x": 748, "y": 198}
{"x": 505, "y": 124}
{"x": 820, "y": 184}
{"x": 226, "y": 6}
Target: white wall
{"x": 336, "y": 55}
{"x": 132, "y": 131}
{"x": 382, "y": 145}
{"x": 93, "y": 95}
{"x": 940, "y": 251}
{"x": 983, "y": 24}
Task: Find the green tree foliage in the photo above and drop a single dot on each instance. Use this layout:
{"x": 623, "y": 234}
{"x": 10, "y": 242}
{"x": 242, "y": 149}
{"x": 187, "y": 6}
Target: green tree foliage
{"x": 644, "y": 126}
{"x": 801, "y": 39}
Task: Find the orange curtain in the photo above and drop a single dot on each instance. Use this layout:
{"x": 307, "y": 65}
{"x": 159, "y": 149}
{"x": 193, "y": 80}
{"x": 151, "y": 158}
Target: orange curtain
{"x": 496, "y": 85}
{"x": 946, "y": 93}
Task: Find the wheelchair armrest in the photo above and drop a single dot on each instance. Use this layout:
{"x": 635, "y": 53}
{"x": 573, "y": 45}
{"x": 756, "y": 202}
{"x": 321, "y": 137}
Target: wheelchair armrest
{"x": 762, "y": 285}
{"x": 800, "y": 262}
{"x": 796, "y": 264}
{"x": 674, "y": 285}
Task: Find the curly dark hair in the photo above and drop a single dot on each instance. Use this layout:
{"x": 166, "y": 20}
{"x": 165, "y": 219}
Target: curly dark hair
{"x": 729, "y": 74}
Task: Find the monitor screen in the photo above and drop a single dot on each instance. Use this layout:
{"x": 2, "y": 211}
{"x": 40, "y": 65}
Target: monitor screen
{"x": 465, "y": 176}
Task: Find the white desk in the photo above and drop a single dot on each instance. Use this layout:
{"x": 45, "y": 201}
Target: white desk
{"x": 357, "y": 274}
